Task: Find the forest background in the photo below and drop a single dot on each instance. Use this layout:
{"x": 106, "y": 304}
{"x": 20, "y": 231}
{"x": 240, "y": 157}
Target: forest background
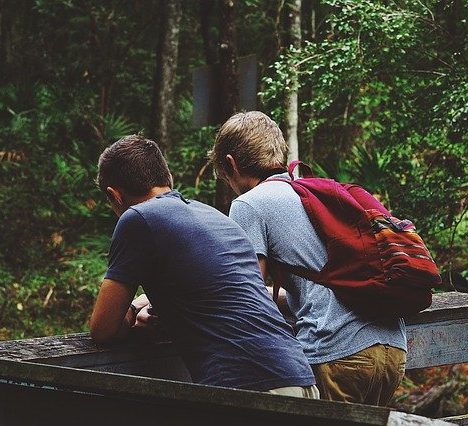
{"x": 371, "y": 91}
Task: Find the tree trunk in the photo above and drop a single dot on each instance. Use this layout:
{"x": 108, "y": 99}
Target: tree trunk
{"x": 209, "y": 43}
{"x": 228, "y": 84}
{"x": 228, "y": 59}
{"x": 309, "y": 32}
{"x": 273, "y": 12}
{"x": 165, "y": 71}
{"x": 291, "y": 98}
{"x": 2, "y": 41}
{"x": 6, "y": 18}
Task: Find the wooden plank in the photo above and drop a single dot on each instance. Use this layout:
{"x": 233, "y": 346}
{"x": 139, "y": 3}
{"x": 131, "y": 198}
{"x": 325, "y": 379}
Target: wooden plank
{"x": 436, "y": 336}
{"x": 458, "y": 420}
{"x": 198, "y": 402}
{"x": 438, "y": 343}
{"x": 402, "y": 419}
{"x": 445, "y": 306}
{"x": 51, "y": 346}
{"x": 82, "y": 347}
{"x": 439, "y": 335}
{"x": 139, "y": 355}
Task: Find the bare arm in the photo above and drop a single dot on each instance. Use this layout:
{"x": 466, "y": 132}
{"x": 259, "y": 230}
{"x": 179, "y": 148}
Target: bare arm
{"x": 281, "y": 302}
{"x": 112, "y": 317}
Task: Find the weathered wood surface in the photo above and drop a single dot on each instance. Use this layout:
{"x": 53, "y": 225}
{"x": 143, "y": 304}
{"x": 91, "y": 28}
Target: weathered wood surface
{"x": 440, "y": 343}
{"x": 445, "y": 306}
{"x": 459, "y": 420}
{"x": 156, "y": 357}
{"x": 37, "y": 373}
{"x": 165, "y": 402}
{"x": 437, "y": 336}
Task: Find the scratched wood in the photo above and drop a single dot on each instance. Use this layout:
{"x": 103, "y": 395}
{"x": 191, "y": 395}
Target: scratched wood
{"x": 439, "y": 335}
{"x": 64, "y": 346}
{"x": 436, "y": 336}
{"x": 154, "y": 357}
{"x": 164, "y": 402}
{"x": 459, "y": 420}
{"x": 37, "y": 373}
{"x": 445, "y": 306}
{"x": 438, "y": 343}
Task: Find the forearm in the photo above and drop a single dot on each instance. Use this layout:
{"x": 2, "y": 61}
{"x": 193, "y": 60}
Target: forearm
{"x": 104, "y": 336}
{"x": 112, "y": 317}
{"x": 127, "y": 323}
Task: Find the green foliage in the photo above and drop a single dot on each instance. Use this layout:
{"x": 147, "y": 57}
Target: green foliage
{"x": 188, "y": 161}
{"x": 384, "y": 102}
{"x": 57, "y": 298}
{"x": 116, "y": 127}
{"x": 50, "y": 188}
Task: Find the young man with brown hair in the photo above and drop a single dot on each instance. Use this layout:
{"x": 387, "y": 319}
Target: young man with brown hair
{"x": 354, "y": 359}
{"x": 201, "y": 275}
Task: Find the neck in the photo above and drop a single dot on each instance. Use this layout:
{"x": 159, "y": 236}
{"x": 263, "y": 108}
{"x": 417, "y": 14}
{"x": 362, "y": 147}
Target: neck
{"x": 248, "y": 183}
{"x": 153, "y": 192}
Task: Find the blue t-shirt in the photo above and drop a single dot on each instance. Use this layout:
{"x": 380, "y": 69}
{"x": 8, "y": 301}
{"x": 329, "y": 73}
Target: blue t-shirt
{"x": 201, "y": 275}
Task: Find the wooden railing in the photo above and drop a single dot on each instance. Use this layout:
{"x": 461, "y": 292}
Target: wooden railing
{"x": 109, "y": 384}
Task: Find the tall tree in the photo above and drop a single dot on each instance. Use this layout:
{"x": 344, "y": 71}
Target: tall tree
{"x": 229, "y": 72}
{"x": 3, "y": 40}
{"x": 311, "y": 15}
{"x": 228, "y": 83}
{"x": 291, "y": 117}
{"x": 165, "y": 72}
{"x": 206, "y": 9}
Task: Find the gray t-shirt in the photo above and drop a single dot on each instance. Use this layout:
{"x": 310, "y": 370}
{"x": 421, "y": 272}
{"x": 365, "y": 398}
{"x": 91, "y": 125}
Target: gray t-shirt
{"x": 277, "y": 224}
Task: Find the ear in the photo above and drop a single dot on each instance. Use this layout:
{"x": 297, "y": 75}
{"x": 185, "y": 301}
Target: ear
{"x": 114, "y": 195}
{"x": 232, "y": 163}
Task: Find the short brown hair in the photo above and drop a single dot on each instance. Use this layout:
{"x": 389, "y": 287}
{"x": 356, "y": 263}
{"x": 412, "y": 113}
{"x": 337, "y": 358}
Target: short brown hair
{"x": 134, "y": 164}
{"x": 254, "y": 140}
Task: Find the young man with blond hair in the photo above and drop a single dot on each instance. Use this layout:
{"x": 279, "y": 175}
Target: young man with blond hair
{"x": 354, "y": 359}
{"x": 201, "y": 275}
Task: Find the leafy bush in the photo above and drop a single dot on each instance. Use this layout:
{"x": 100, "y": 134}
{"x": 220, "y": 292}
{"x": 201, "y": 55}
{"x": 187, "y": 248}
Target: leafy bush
{"x": 188, "y": 160}
{"x": 384, "y": 103}
{"x": 54, "y": 299}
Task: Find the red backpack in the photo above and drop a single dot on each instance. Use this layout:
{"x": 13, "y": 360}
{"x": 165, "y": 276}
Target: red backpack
{"x": 377, "y": 264}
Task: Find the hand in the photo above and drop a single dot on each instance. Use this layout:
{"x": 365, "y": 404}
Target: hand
{"x": 140, "y": 302}
{"x": 146, "y": 317}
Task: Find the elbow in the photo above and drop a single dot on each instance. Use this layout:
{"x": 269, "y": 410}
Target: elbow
{"x": 99, "y": 334}
{"x": 99, "y": 338}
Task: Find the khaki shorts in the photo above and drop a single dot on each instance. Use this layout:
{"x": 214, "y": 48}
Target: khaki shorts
{"x": 370, "y": 376}
{"x": 310, "y": 392}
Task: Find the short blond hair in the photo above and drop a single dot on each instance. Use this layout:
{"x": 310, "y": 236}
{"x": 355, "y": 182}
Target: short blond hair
{"x": 254, "y": 140}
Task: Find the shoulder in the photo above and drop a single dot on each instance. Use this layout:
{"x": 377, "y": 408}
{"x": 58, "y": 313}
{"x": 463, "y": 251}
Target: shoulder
{"x": 130, "y": 222}
{"x": 129, "y": 217}
{"x": 268, "y": 194}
